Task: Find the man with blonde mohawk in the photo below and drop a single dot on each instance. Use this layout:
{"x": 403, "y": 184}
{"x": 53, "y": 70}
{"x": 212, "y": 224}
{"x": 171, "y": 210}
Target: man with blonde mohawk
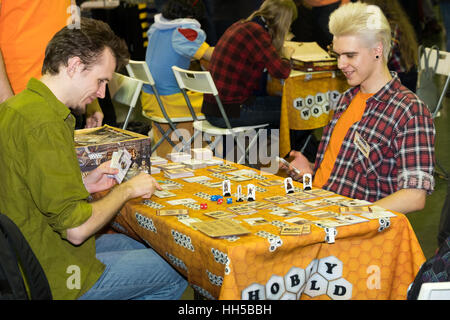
{"x": 379, "y": 146}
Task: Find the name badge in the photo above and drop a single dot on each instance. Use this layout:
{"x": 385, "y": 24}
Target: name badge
{"x": 361, "y": 144}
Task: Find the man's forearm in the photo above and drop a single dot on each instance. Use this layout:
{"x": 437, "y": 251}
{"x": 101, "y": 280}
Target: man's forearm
{"x": 404, "y": 200}
{"x": 103, "y": 210}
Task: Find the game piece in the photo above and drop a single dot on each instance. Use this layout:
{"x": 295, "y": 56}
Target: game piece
{"x": 229, "y": 200}
{"x": 251, "y": 192}
{"x": 239, "y": 194}
{"x": 226, "y": 188}
{"x": 288, "y": 185}
{"x": 307, "y": 181}
{"x": 220, "y": 201}
{"x": 203, "y": 206}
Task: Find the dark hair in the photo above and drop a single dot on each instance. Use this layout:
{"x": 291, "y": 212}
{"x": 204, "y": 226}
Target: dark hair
{"x": 87, "y": 42}
{"x": 175, "y": 9}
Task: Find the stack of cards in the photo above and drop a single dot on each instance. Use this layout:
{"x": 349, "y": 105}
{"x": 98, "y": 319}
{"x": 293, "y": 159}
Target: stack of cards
{"x": 179, "y": 156}
{"x": 202, "y": 154}
{"x": 179, "y": 173}
{"x": 157, "y": 160}
{"x": 194, "y": 164}
{"x": 121, "y": 160}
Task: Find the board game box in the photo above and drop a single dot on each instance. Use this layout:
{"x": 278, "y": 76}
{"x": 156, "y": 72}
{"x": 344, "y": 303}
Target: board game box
{"x": 95, "y": 146}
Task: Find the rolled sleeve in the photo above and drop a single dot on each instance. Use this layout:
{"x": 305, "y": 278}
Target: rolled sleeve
{"x": 416, "y": 154}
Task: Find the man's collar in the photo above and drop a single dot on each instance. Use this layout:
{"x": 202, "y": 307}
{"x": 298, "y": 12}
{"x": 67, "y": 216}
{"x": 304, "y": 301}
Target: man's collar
{"x": 41, "y": 89}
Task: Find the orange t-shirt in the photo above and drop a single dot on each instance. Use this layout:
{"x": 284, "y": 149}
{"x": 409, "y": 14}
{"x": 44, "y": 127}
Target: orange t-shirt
{"x": 353, "y": 114}
{"x": 26, "y": 27}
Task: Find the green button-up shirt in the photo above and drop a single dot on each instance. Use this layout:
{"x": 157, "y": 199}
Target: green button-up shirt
{"x": 41, "y": 187}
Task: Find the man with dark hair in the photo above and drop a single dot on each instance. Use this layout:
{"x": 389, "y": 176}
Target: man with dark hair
{"x": 44, "y": 193}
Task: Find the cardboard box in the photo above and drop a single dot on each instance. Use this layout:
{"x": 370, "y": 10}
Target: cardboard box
{"x": 95, "y": 146}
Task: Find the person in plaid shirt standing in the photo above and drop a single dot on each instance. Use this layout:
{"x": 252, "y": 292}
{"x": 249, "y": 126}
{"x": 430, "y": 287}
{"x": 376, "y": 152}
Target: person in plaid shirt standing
{"x": 379, "y": 146}
{"x": 238, "y": 64}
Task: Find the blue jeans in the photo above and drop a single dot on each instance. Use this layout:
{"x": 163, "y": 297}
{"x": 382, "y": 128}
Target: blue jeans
{"x": 133, "y": 271}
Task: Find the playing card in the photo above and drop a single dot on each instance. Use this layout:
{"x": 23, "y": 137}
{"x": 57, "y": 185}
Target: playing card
{"x": 279, "y": 199}
{"x": 348, "y": 210}
{"x": 171, "y": 212}
{"x": 291, "y": 231}
{"x": 181, "y": 201}
{"x": 256, "y": 221}
{"x": 123, "y": 163}
{"x": 351, "y": 219}
{"x": 270, "y": 183}
{"x": 197, "y": 179}
{"x": 220, "y": 228}
{"x": 164, "y": 194}
{"x": 323, "y": 214}
{"x": 219, "y": 214}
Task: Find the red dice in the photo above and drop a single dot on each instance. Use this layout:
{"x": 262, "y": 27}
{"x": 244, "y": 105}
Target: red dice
{"x": 203, "y": 206}
{"x": 220, "y": 201}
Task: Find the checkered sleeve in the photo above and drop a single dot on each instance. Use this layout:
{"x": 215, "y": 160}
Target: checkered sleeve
{"x": 415, "y": 145}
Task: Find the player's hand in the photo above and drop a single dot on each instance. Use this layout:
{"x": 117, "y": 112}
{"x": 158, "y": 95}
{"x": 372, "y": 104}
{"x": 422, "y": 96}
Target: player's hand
{"x": 143, "y": 185}
{"x": 94, "y": 120}
{"x": 99, "y": 179}
{"x": 300, "y": 163}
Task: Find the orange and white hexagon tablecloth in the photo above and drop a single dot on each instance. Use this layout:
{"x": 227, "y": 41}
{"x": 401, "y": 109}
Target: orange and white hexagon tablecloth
{"x": 374, "y": 259}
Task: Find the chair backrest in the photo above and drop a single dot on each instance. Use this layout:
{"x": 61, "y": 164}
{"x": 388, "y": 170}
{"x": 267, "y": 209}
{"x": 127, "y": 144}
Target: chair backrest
{"x": 139, "y": 70}
{"x": 126, "y": 91}
{"x": 443, "y": 66}
{"x": 199, "y": 81}
{"x": 435, "y": 291}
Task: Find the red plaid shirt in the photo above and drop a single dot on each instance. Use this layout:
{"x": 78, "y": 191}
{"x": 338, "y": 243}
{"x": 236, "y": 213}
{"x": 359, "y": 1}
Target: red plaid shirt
{"x": 400, "y": 132}
{"x": 237, "y": 65}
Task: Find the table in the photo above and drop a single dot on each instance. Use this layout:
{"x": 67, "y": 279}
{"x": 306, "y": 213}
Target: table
{"x": 308, "y": 100}
{"x": 377, "y": 259}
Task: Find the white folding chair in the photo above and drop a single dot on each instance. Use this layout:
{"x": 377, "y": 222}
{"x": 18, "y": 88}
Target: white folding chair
{"x": 126, "y": 91}
{"x": 139, "y": 70}
{"x": 201, "y": 81}
{"x": 434, "y": 291}
{"x": 443, "y": 68}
